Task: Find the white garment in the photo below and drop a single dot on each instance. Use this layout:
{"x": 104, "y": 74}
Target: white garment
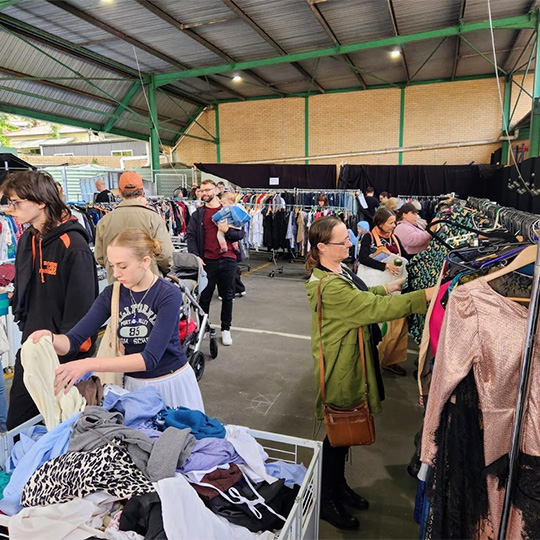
{"x": 40, "y": 363}
{"x": 196, "y": 476}
{"x": 251, "y": 452}
{"x": 185, "y": 517}
{"x": 180, "y": 389}
{"x": 256, "y": 232}
{"x": 74, "y": 520}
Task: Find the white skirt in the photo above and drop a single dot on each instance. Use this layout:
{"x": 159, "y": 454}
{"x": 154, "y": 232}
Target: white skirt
{"x": 180, "y": 389}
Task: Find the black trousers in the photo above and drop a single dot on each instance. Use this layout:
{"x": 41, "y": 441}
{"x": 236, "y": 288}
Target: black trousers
{"x": 239, "y": 287}
{"x": 221, "y": 272}
{"x": 333, "y": 469}
{"x": 21, "y": 405}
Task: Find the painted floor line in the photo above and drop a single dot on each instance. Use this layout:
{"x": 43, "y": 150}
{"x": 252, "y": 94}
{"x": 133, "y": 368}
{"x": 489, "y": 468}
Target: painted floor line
{"x": 257, "y": 268}
{"x": 270, "y": 332}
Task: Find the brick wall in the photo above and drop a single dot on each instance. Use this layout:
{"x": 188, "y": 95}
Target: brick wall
{"x": 362, "y": 121}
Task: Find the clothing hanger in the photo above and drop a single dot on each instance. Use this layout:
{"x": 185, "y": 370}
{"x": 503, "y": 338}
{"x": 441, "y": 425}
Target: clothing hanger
{"x": 526, "y": 257}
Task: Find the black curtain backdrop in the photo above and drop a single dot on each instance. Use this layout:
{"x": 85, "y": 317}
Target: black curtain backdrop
{"x": 464, "y": 180}
{"x": 290, "y": 176}
{"x": 13, "y": 164}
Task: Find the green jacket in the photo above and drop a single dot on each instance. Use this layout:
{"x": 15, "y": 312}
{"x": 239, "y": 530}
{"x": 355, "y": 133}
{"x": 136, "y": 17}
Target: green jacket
{"x": 345, "y": 309}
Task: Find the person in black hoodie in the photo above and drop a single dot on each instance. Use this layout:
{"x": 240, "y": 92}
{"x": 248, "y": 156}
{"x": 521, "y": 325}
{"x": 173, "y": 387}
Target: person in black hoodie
{"x": 55, "y": 279}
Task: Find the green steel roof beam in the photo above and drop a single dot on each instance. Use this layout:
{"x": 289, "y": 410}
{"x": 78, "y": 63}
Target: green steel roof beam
{"x": 534, "y": 141}
{"x": 373, "y": 87}
{"x": 231, "y": 4}
{"x": 523, "y": 80}
{"x": 458, "y": 40}
{"x": 360, "y": 70}
{"x": 19, "y": 29}
{"x": 192, "y": 119}
{"x": 484, "y": 56}
{"x": 68, "y": 104}
{"x": 68, "y": 121}
{"x": 123, "y": 105}
{"x": 506, "y": 119}
{"x": 428, "y": 59}
{"x": 331, "y": 34}
{"x": 393, "y": 20}
{"x": 83, "y": 15}
{"x": 8, "y": 3}
{"x": 521, "y": 21}
{"x": 531, "y": 38}
{"x": 175, "y": 23}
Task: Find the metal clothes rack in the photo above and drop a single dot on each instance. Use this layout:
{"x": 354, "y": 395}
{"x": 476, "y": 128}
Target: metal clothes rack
{"x": 420, "y": 197}
{"x": 523, "y": 393}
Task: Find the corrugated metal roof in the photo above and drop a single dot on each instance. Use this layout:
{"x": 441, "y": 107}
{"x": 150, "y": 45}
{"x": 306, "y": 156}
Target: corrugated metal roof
{"x": 354, "y": 21}
{"x": 128, "y": 40}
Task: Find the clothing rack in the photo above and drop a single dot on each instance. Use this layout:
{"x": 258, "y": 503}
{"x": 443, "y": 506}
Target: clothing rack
{"x": 523, "y": 393}
{"x": 515, "y": 221}
{"x": 420, "y": 197}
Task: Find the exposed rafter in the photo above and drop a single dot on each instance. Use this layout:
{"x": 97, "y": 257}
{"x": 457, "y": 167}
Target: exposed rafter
{"x": 330, "y": 33}
{"x": 393, "y": 20}
{"x": 69, "y": 121}
{"x": 247, "y": 19}
{"x": 59, "y": 44}
{"x": 163, "y": 15}
{"x": 457, "y": 51}
{"x": 82, "y": 93}
{"x": 135, "y": 42}
{"x": 520, "y": 21}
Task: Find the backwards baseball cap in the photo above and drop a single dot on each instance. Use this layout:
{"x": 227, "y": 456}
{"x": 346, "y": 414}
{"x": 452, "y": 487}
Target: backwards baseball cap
{"x": 130, "y": 181}
{"x": 408, "y": 207}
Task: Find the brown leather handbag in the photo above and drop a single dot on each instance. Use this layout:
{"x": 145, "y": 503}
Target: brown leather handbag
{"x": 351, "y": 426}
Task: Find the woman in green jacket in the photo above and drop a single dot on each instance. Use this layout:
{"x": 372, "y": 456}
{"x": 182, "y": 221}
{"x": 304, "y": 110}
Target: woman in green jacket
{"x": 347, "y": 304}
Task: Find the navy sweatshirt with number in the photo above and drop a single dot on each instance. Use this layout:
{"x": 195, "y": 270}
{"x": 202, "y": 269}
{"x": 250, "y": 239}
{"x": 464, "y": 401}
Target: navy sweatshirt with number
{"x": 148, "y": 327}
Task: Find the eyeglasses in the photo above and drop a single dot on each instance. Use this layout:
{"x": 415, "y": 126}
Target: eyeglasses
{"x": 343, "y": 244}
{"x": 206, "y": 190}
{"x": 15, "y": 204}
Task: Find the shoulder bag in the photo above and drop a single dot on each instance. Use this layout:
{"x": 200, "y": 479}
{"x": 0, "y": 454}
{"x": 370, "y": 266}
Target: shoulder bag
{"x": 110, "y": 346}
{"x": 349, "y": 426}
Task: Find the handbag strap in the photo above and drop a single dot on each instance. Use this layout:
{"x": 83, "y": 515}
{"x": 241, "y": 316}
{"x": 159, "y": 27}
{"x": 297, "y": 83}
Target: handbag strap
{"x": 115, "y": 306}
{"x": 321, "y": 353}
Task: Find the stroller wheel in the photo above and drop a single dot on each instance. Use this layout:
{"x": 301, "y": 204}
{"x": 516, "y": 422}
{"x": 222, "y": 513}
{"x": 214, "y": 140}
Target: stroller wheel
{"x": 213, "y": 346}
{"x": 198, "y": 362}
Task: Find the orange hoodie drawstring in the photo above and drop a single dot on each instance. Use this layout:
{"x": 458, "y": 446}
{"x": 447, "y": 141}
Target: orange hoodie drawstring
{"x": 41, "y": 270}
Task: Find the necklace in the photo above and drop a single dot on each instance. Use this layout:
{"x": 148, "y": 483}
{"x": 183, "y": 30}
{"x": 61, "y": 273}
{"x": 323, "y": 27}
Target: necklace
{"x": 137, "y": 305}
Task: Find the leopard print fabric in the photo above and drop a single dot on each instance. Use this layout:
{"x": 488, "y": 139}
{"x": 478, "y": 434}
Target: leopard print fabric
{"x": 77, "y": 474}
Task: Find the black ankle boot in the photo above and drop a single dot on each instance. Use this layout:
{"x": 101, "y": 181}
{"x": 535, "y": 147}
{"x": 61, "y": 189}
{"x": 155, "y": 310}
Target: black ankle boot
{"x": 334, "y": 513}
{"x": 348, "y": 497}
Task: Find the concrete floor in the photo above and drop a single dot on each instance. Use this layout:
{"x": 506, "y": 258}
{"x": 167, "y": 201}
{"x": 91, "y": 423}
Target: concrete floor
{"x": 265, "y": 381}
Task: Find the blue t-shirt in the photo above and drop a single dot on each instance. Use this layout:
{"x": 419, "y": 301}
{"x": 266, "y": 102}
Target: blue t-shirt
{"x": 150, "y": 328}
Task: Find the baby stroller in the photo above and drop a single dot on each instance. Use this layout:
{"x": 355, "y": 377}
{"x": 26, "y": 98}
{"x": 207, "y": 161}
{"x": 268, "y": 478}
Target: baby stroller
{"x": 186, "y": 273}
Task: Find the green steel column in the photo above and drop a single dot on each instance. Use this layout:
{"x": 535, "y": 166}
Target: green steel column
{"x": 534, "y": 143}
{"x": 306, "y": 128}
{"x": 506, "y": 119}
{"x": 401, "y": 124}
{"x": 175, "y": 156}
{"x": 218, "y": 140}
{"x": 154, "y": 135}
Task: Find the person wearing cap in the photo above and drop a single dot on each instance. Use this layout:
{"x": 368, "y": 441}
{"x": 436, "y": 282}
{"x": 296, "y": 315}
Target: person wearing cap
{"x": 133, "y": 211}
{"x": 412, "y": 237}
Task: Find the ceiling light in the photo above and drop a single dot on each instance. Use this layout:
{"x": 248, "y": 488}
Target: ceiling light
{"x": 236, "y": 78}
{"x": 395, "y": 53}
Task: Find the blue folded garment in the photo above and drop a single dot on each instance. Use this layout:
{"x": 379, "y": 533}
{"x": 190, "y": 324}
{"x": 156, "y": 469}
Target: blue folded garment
{"x": 201, "y": 425}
